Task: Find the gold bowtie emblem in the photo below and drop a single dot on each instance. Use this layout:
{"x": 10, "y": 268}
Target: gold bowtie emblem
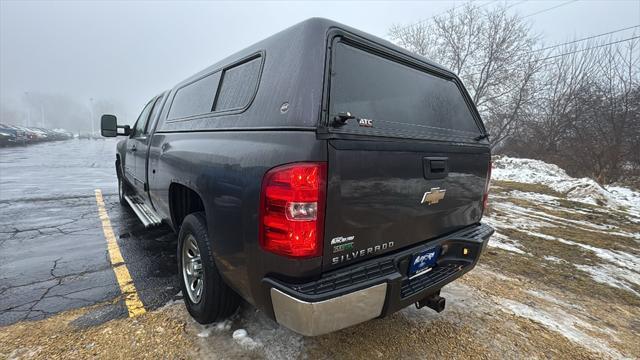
{"x": 433, "y": 196}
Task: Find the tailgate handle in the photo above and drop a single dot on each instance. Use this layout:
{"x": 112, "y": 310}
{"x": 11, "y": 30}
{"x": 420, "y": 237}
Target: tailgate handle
{"x": 438, "y": 165}
{"x": 435, "y": 167}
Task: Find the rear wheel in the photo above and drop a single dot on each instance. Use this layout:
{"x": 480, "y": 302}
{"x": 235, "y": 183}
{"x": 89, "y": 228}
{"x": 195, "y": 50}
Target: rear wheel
{"x": 206, "y": 295}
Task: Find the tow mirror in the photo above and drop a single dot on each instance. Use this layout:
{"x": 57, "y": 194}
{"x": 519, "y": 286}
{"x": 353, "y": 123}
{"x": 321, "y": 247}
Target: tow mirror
{"x": 109, "y": 126}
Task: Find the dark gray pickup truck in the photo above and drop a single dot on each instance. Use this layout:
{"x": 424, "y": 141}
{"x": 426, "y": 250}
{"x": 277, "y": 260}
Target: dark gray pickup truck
{"x": 324, "y": 175}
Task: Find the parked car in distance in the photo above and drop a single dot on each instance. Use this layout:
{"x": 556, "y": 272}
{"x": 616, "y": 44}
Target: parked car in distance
{"x": 7, "y": 137}
{"x": 19, "y": 136}
{"x": 23, "y": 135}
{"x": 324, "y": 175}
{"x": 86, "y": 135}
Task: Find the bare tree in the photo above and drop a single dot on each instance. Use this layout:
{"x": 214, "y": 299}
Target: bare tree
{"x": 586, "y": 117}
{"x": 491, "y": 50}
{"x": 559, "y": 84}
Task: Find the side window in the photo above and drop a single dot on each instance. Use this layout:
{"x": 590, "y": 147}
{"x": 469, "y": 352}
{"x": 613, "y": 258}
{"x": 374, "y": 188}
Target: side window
{"x": 141, "y": 123}
{"x": 229, "y": 89}
{"x": 195, "y": 98}
{"x": 154, "y": 113}
{"x": 238, "y": 85}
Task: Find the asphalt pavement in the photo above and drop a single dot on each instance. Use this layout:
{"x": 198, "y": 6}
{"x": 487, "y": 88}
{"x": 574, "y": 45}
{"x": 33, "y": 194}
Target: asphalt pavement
{"x": 53, "y": 252}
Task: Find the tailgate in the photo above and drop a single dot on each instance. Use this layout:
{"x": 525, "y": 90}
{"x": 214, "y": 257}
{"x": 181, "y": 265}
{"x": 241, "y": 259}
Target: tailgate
{"x": 382, "y": 197}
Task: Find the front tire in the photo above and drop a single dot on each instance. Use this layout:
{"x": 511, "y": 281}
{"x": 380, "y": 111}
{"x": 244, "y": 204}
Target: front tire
{"x": 122, "y": 190}
{"x": 206, "y": 295}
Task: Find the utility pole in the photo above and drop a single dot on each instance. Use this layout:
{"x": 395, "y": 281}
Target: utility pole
{"x": 26, "y": 95}
{"x": 93, "y": 129}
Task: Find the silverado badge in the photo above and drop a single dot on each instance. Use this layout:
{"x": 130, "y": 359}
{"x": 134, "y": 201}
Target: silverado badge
{"x": 433, "y": 196}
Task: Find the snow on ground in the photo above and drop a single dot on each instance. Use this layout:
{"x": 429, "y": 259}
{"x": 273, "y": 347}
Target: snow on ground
{"x": 207, "y": 330}
{"x": 553, "y": 299}
{"x": 612, "y": 276}
{"x": 535, "y": 197}
{"x": 554, "y": 259}
{"x": 583, "y": 190}
{"x": 617, "y": 268}
{"x": 558, "y": 320}
{"x": 626, "y": 198}
{"x": 524, "y": 218}
{"x": 502, "y": 242}
{"x": 242, "y": 338}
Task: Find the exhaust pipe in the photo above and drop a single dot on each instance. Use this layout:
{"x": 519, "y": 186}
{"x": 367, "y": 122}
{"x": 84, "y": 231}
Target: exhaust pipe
{"x": 434, "y": 302}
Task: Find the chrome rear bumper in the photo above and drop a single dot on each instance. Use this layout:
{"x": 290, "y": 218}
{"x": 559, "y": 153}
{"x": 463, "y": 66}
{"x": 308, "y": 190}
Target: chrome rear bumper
{"x": 373, "y": 288}
{"x": 317, "y": 318}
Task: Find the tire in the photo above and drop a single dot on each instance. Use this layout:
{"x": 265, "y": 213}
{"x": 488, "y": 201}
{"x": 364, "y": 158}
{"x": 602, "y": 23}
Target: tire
{"x": 217, "y": 300}
{"x": 123, "y": 189}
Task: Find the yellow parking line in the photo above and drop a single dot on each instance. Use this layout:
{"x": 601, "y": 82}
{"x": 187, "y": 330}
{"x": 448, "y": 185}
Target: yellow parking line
{"x": 132, "y": 300}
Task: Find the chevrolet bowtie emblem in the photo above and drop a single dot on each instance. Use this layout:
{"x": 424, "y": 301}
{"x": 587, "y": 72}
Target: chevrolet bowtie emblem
{"x": 433, "y": 196}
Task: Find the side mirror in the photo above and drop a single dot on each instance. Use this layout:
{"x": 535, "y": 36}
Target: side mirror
{"x": 109, "y": 125}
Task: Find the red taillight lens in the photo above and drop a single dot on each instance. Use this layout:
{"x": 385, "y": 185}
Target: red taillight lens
{"x": 292, "y": 209}
{"x": 485, "y": 197}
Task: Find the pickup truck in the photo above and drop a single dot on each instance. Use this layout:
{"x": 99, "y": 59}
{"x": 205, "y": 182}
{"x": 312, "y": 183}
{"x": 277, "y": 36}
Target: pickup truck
{"x": 324, "y": 175}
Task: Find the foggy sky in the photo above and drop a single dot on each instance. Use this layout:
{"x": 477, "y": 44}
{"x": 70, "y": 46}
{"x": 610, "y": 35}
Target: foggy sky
{"x": 123, "y": 53}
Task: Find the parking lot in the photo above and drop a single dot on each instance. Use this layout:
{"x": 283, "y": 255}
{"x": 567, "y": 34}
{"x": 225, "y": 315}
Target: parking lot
{"x": 559, "y": 280}
{"x": 53, "y": 250}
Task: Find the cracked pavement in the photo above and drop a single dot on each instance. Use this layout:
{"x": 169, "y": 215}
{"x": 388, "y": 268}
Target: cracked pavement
{"x": 53, "y": 254}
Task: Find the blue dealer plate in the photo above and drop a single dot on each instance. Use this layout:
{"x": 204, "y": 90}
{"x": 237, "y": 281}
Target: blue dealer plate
{"x": 423, "y": 261}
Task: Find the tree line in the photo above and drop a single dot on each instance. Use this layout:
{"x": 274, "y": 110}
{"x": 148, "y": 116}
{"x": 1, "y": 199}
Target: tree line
{"x": 576, "y": 105}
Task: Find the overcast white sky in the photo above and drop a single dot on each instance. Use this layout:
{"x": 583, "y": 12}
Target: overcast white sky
{"x": 129, "y": 51}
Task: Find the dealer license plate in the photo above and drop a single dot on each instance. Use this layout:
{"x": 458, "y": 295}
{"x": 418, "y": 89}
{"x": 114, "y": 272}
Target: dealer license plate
{"x": 423, "y": 261}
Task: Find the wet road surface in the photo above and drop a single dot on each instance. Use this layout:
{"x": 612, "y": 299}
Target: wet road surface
{"x": 53, "y": 252}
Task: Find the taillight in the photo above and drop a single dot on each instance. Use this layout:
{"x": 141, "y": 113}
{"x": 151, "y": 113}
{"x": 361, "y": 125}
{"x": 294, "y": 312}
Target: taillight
{"x": 485, "y": 197}
{"x": 292, "y": 205}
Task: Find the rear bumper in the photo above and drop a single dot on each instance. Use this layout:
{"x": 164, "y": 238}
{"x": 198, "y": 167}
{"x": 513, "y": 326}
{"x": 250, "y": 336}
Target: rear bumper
{"x": 373, "y": 288}
{"x": 316, "y": 318}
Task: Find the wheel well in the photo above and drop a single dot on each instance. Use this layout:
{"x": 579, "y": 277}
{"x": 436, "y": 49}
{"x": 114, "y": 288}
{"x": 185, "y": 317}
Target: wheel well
{"x": 182, "y": 202}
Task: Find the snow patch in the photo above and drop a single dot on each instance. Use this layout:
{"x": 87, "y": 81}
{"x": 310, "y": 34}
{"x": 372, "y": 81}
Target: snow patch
{"x": 552, "y": 299}
{"x": 242, "y": 338}
{"x": 555, "y": 319}
{"x": 526, "y": 216}
{"x": 612, "y": 276}
{"x": 627, "y": 198}
{"x": 553, "y": 259}
{"x": 500, "y": 241}
{"x": 507, "y": 220}
{"x": 620, "y": 269}
{"x": 577, "y": 189}
{"x": 207, "y": 330}
{"x": 534, "y": 197}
